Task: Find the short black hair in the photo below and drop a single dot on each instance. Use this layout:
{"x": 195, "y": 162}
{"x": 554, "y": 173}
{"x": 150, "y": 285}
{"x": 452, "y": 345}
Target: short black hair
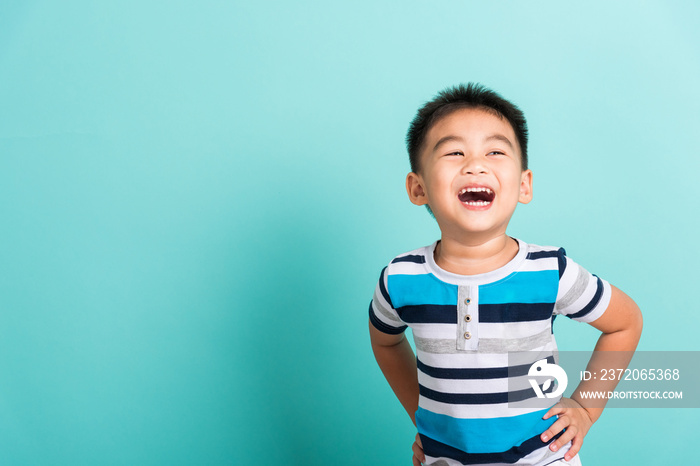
{"x": 471, "y": 95}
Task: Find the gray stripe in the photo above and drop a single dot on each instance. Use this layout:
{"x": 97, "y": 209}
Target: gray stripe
{"x": 577, "y": 289}
{"x": 486, "y": 345}
{"x": 384, "y": 312}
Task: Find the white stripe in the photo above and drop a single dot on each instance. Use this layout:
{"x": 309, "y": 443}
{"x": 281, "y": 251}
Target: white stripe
{"x": 601, "y": 307}
{"x": 536, "y": 248}
{"x": 538, "y": 265}
{"x": 435, "y": 331}
{"x": 415, "y": 252}
{"x": 457, "y": 386}
{"x": 464, "y": 360}
{"x": 407, "y": 268}
{"x": 486, "y": 330}
{"x": 568, "y": 278}
{"x": 513, "y": 329}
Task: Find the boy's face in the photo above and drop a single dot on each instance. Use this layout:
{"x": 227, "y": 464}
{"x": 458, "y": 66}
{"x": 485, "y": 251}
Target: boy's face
{"x": 471, "y": 174}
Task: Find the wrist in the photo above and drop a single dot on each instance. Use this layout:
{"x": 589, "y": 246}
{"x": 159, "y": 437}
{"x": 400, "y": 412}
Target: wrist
{"x": 593, "y": 413}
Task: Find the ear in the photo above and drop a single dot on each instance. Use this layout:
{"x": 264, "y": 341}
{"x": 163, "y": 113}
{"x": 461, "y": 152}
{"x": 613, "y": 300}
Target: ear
{"x": 525, "y": 187}
{"x": 416, "y": 189}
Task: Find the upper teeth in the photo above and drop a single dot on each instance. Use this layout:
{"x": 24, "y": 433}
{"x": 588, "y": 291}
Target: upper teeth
{"x": 475, "y": 190}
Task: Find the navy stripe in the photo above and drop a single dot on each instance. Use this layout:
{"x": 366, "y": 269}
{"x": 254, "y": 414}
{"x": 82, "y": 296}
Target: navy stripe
{"x": 416, "y": 259}
{"x": 488, "y": 313}
{"x": 436, "y": 449}
{"x": 541, "y": 254}
{"x": 476, "y": 373}
{"x": 515, "y": 312}
{"x": 383, "y": 289}
{"x": 428, "y": 314}
{"x": 562, "y": 261}
{"x": 381, "y": 326}
{"x": 594, "y": 302}
{"x": 480, "y": 398}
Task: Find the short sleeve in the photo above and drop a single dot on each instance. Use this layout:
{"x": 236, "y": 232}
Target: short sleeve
{"x": 381, "y": 312}
{"x": 582, "y": 296}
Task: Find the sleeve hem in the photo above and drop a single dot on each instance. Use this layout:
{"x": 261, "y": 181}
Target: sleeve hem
{"x": 382, "y": 327}
{"x": 601, "y": 307}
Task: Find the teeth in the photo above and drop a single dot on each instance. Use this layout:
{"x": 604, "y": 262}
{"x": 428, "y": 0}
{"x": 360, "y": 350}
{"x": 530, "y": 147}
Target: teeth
{"x": 475, "y": 190}
{"x": 477, "y": 203}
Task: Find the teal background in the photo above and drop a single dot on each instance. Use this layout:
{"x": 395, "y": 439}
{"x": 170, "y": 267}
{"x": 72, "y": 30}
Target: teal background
{"x": 197, "y": 199}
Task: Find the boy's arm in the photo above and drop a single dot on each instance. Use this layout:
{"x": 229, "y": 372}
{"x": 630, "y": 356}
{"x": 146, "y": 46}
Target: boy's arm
{"x": 398, "y": 363}
{"x": 621, "y": 324}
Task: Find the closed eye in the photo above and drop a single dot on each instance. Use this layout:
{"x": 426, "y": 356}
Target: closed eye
{"x": 456, "y": 153}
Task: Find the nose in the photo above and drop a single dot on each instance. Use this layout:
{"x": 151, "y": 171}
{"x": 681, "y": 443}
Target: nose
{"x": 474, "y": 165}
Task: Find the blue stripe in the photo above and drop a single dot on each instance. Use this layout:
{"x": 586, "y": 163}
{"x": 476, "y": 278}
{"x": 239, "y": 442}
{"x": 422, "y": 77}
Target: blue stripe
{"x": 420, "y": 289}
{"x": 594, "y": 302}
{"x": 420, "y": 259}
{"x": 481, "y": 435}
{"x": 436, "y": 449}
{"x": 515, "y": 312}
{"x": 522, "y": 287}
{"x": 428, "y": 314}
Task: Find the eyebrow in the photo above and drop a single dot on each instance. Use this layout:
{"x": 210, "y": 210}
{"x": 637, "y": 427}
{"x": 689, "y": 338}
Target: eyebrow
{"x": 499, "y": 137}
{"x": 493, "y": 137}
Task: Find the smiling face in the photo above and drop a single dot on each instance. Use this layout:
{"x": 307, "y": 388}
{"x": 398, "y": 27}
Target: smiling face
{"x": 471, "y": 175}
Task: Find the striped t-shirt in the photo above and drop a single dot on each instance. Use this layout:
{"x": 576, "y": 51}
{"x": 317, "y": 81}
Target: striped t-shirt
{"x": 464, "y": 329}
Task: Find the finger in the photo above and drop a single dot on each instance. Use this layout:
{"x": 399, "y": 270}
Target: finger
{"x": 419, "y": 442}
{"x": 575, "y": 447}
{"x": 556, "y": 409}
{"x": 559, "y": 425}
{"x": 418, "y": 450}
{"x": 565, "y": 438}
{"x": 416, "y": 462}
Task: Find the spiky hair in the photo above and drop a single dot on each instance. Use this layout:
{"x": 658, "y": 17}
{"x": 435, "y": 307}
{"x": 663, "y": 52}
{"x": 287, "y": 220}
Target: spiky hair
{"x": 471, "y": 95}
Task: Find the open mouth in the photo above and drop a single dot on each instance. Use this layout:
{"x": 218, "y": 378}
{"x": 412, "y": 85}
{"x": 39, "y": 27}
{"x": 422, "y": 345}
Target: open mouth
{"x": 476, "y": 196}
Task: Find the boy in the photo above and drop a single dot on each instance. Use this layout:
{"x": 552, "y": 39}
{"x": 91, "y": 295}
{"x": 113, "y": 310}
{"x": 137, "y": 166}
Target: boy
{"x": 477, "y": 294}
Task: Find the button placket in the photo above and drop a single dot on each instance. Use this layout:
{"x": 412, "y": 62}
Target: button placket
{"x": 467, "y": 334}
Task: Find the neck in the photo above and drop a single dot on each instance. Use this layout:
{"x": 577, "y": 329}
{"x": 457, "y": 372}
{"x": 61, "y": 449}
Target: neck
{"x": 472, "y": 258}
